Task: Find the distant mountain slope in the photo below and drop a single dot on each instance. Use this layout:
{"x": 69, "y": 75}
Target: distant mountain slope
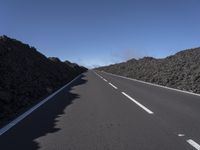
{"x": 181, "y": 70}
{"x": 26, "y": 75}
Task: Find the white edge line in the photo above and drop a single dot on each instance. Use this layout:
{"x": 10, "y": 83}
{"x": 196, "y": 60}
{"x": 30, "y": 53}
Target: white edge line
{"x": 113, "y": 85}
{"x": 136, "y": 102}
{"x": 194, "y": 144}
{"x": 153, "y": 84}
{"x": 28, "y": 112}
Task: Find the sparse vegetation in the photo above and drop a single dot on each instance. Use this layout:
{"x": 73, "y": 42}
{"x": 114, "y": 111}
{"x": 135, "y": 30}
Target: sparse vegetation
{"x": 26, "y": 75}
{"x": 181, "y": 71}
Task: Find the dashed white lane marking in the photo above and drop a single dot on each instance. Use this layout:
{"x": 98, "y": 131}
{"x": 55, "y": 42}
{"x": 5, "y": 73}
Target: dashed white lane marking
{"x": 101, "y": 77}
{"x": 169, "y": 88}
{"x": 105, "y": 80}
{"x": 181, "y": 135}
{"x": 137, "y": 103}
{"x": 194, "y": 144}
{"x": 113, "y": 85}
{"x": 98, "y": 75}
{"x": 190, "y": 141}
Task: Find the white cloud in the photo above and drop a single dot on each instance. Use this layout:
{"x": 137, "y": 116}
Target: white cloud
{"x": 126, "y": 54}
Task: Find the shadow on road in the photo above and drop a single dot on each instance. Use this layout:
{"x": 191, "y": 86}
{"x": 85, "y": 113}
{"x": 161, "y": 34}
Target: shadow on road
{"x": 41, "y": 122}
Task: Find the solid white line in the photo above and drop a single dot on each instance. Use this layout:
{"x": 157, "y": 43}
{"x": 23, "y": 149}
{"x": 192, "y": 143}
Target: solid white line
{"x": 153, "y": 84}
{"x": 194, "y": 144}
{"x": 136, "y": 102}
{"x": 113, "y": 85}
{"x": 105, "y": 80}
{"x": 24, "y": 115}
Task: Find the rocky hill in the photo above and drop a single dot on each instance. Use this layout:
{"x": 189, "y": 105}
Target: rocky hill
{"x": 181, "y": 71}
{"x": 26, "y": 75}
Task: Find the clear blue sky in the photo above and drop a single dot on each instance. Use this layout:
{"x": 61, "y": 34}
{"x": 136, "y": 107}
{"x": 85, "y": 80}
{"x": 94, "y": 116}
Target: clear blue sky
{"x": 100, "y": 32}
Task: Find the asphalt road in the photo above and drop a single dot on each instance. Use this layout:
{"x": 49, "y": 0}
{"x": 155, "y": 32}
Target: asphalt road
{"x": 99, "y": 111}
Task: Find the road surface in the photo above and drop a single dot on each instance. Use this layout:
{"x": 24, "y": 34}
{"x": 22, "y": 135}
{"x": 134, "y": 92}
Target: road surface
{"x": 100, "y": 111}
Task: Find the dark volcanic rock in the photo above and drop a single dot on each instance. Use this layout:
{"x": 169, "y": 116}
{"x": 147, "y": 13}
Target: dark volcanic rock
{"x": 26, "y": 75}
{"x": 181, "y": 71}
